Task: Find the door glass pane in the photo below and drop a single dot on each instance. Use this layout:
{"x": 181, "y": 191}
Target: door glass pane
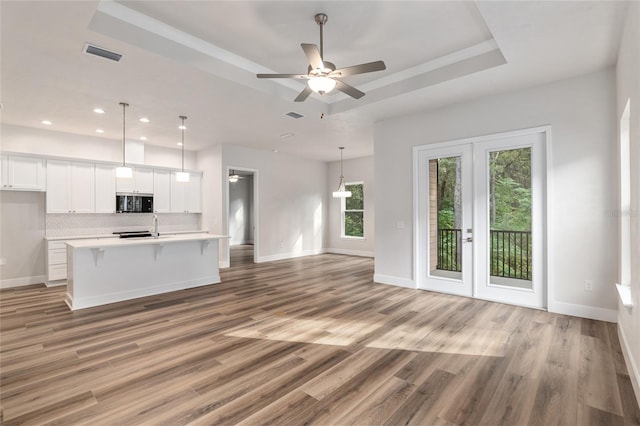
{"x": 510, "y": 242}
{"x": 445, "y": 217}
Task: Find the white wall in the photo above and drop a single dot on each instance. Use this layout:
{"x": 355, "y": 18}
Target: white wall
{"x": 628, "y": 85}
{"x": 22, "y": 223}
{"x": 290, "y": 201}
{"x": 210, "y": 162}
{"x": 30, "y": 140}
{"x": 241, "y": 211}
{"x": 356, "y": 170}
{"x": 581, "y": 112}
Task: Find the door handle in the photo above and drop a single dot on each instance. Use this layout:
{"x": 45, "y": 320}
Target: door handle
{"x": 468, "y": 239}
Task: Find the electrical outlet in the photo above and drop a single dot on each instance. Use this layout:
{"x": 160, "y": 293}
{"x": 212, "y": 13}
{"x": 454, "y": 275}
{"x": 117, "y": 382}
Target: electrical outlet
{"x": 588, "y": 285}
{"x": 3, "y": 261}
{"x": 400, "y": 224}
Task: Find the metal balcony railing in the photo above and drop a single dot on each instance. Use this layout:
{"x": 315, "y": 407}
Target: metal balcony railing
{"x": 449, "y": 250}
{"x": 510, "y": 252}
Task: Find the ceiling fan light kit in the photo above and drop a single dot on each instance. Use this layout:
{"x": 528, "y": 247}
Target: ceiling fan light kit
{"x": 322, "y": 76}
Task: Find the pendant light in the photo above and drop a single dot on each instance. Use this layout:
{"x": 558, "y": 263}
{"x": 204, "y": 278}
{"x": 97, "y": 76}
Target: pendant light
{"x": 182, "y": 176}
{"x": 342, "y": 190}
{"x": 233, "y": 177}
{"x": 124, "y": 171}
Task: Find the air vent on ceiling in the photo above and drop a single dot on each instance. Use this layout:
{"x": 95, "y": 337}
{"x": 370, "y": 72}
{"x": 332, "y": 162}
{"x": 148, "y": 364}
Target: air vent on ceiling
{"x": 103, "y": 53}
{"x": 294, "y": 115}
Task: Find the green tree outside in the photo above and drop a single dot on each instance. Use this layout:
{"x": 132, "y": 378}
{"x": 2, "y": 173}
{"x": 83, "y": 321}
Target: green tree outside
{"x": 354, "y": 211}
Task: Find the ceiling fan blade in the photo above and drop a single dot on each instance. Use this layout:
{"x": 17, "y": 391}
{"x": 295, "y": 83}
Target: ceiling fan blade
{"x": 304, "y": 94}
{"x": 360, "y": 69}
{"x": 349, "y": 90}
{"x": 299, "y": 76}
{"x": 313, "y": 55}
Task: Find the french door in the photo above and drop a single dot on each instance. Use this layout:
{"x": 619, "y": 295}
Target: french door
{"x": 480, "y": 219}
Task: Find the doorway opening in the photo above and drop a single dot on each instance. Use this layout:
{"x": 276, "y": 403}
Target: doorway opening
{"x": 242, "y": 216}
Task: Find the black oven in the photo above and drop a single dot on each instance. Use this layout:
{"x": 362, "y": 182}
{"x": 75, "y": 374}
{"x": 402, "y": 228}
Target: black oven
{"x": 134, "y": 203}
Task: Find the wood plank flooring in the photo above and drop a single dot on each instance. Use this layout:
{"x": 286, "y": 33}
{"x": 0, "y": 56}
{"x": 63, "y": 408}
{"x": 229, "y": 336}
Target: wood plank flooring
{"x": 305, "y": 341}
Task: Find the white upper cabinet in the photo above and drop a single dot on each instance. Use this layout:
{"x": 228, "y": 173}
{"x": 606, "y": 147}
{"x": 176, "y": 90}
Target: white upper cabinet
{"x": 186, "y": 197}
{"x": 161, "y": 191}
{"x": 58, "y": 182}
{"x": 70, "y": 187}
{"x": 83, "y": 191}
{"x": 23, "y": 173}
{"x": 194, "y": 195}
{"x": 178, "y": 195}
{"x": 141, "y": 182}
{"x": 105, "y": 189}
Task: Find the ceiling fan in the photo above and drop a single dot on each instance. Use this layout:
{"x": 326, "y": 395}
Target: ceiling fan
{"x": 234, "y": 177}
{"x": 322, "y": 76}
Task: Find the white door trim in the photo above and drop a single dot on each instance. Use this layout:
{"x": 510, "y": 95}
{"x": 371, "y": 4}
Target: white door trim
{"x": 256, "y": 215}
{"x": 547, "y": 198}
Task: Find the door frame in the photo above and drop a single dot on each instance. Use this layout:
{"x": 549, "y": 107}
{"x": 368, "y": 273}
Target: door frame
{"x": 462, "y": 286}
{"x": 256, "y": 216}
{"x": 547, "y": 197}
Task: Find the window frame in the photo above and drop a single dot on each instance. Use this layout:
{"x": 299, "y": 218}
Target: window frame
{"x": 343, "y": 211}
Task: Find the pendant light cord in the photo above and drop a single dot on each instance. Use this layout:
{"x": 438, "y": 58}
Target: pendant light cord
{"x": 182, "y": 117}
{"x": 341, "y": 174}
{"x": 124, "y": 106}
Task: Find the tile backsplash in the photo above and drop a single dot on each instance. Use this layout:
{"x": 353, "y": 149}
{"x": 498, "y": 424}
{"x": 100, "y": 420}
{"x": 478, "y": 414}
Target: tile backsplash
{"x": 78, "y": 224}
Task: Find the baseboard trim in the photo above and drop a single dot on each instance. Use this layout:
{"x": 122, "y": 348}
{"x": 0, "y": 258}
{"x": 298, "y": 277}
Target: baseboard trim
{"x": 283, "y": 256}
{"x": 22, "y": 281}
{"x": 634, "y": 371}
{"x": 583, "y": 311}
{"x": 241, "y": 243}
{"x": 396, "y": 281}
{"x": 360, "y": 253}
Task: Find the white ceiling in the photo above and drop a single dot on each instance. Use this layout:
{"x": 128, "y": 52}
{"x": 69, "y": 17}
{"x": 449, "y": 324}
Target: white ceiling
{"x": 199, "y": 59}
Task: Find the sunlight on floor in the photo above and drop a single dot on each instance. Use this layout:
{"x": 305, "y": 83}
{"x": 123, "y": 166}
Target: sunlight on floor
{"x": 329, "y": 331}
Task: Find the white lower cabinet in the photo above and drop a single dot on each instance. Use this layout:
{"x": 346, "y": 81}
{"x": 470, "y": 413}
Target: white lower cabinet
{"x": 56, "y": 262}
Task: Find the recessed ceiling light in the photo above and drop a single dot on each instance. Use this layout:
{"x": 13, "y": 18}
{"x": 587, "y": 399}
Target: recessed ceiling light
{"x": 144, "y": 119}
{"x": 286, "y": 135}
{"x": 98, "y": 110}
{"x": 179, "y": 144}
{"x": 143, "y": 138}
{"x": 99, "y": 131}
{"x": 46, "y": 122}
{"x": 274, "y": 150}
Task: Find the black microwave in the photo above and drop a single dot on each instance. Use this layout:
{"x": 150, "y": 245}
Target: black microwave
{"x": 134, "y": 203}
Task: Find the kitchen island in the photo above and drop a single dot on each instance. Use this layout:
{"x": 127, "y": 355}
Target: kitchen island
{"x": 102, "y": 271}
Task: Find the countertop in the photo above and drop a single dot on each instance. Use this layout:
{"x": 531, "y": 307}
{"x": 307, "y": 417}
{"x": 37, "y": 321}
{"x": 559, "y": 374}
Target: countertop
{"x": 128, "y": 242}
{"x": 93, "y": 237}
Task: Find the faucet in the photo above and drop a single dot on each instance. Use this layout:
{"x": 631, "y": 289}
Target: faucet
{"x": 155, "y": 233}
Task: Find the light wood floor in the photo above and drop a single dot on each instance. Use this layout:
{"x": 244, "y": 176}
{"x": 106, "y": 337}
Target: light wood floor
{"x": 305, "y": 341}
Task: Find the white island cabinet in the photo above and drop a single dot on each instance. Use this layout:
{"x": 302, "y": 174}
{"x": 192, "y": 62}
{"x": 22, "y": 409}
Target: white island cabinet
{"x": 102, "y": 271}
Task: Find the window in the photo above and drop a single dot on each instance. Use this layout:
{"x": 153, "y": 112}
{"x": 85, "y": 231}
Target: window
{"x": 353, "y": 211}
